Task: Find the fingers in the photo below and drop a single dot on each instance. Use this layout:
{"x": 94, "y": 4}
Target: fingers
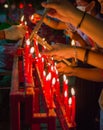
{"x": 52, "y": 5}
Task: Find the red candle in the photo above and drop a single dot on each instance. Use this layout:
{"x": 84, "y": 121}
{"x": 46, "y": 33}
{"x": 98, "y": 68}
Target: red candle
{"x": 69, "y": 110}
{"x": 30, "y": 60}
{"x": 22, "y": 20}
{"x": 65, "y": 90}
{"x": 58, "y": 88}
{"x": 73, "y": 105}
{"x": 26, "y": 57}
{"x": 42, "y": 66}
{"x": 27, "y": 48}
{"x": 53, "y": 85}
{"x": 48, "y": 88}
{"x": 44, "y": 80}
{"x": 48, "y": 83}
{"x": 27, "y": 35}
{"x": 36, "y": 47}
{"x": 66, "y": 98}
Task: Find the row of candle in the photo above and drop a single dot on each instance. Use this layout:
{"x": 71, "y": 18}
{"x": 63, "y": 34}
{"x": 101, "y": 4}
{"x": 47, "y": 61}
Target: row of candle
{"x": 51, "y": 87}
{"x": 51, "y": 83}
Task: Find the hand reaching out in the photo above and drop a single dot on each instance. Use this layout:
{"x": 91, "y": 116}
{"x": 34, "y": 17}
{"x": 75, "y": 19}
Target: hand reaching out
{"x": 61, "y": 51}
{"x": 64, "y": 69}
{"x": 15, "y": 32}
{"x": 59, "y": 10}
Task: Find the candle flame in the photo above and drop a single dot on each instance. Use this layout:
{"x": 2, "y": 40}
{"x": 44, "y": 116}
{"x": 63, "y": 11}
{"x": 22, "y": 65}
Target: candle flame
{"x": 28, "y": 42}
{"x": 32, "y": 50}
{"x": 22, "y": 18}
{"x": 44, "y": 73}
{"x": 55, "y": 63}
{"x": 43, "y": 39}
{"x": 56, "y": 71}
{"x": 52, "y": 58}
{"x": 25, "y": 22}
{"x": 73, "y": 43}
{"x": 44, "y": 47}
{"x": 52, "y": 68}
{"x": 48, "y": 77}
{"x": 66, "y": 81}
{"x": 72, "y": 91}
{"x": 49, "y": 64}
{"x": 32, "y": 17}
{"x": 70, "y": 101}
{"x": 65, "y": 94}
{"x": 64, "y": 77}
{"x": 39, "y": 55}
{"x": 57, "y": 79}
{"x": 42, "y": 59}
{"x": 36, "y": 42}
{"x": 53, "y": 81}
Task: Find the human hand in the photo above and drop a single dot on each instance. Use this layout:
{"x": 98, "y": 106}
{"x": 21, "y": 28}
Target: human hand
{"x": 64, "y": 69}
{"x": 35, "y": 18}
{"x": 61, "y": 10}
{"x": 15, "y": 32}
{"x": 60, "y": 50}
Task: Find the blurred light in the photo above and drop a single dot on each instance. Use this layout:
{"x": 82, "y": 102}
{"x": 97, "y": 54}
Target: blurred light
{"x": 30, "y": 5}
{"x": 6, "y": 6}
{"x": 21, "y": 5}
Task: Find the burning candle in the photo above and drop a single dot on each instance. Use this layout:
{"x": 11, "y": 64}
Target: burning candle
{"x": 58, "y": 88}
{"x": 26, "y": 56}
{"x": 53, "y": 85}
{"x": 27, "y": 35}
{"x": 69, "y": 110}
{"x": 48, "y": 83}
{"x": 27, "y": 48}
{"x": 48, "y": 88}
{"x": 73, "y": 104}
{"x": 22, "y": 20}
{"x": 44, "y": 80}
{"x": 30, "y": 60}
{"x": 65, "y": 98}
{"x": 65, "y": 90}
{"x": 36, "y": 47}
{"x": 42, "y": 66}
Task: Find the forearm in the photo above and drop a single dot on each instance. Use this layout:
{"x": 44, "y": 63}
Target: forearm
{"x": 90, "y": 26}
{"x": 93, "y": 74}
{"x": 94, "y": 59}
{"x": 2, "y": 35}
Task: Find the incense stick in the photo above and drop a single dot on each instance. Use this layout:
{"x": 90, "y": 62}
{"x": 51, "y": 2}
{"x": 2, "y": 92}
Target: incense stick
{"x": 37, "y": 27}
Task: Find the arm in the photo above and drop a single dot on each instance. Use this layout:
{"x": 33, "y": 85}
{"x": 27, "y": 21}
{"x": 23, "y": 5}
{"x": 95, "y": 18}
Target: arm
{"x": 15, "y": 32}
{"x": 77, "y": 37}
{"x": 65, "y": 51}
{"x": 92, "y": 74}
{"x": 65, "y": 11}
{"x": 58, "y": 25}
